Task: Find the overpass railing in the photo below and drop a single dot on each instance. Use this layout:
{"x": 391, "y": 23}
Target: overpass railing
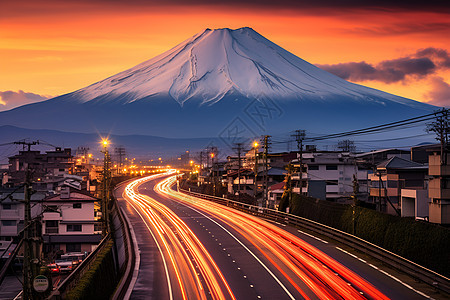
{"x": 400, "y": 263}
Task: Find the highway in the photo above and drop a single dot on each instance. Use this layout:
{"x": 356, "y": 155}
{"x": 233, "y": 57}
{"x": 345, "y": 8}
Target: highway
{"x": 192, "y": 248}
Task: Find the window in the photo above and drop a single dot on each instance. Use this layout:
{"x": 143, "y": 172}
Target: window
{"x": 313, "y": 168}
{"x": 77, "y": 205}
{"x": 392, "y": 184}
{"x": 51, "y": 223}
{"x": 73, "y": 247}
{"x": 9, "y": 223}
{"x": 331, "y": 167}
{"x": 7, "y": 206}
{"x": 331, "y": 182}
{"x": 73, "y": 227}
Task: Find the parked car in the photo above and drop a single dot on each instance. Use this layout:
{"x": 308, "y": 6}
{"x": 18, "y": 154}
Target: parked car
{"x": 54, "y": 268}
{"x": 76, "y": 257}
{"x": 65, "y": 265}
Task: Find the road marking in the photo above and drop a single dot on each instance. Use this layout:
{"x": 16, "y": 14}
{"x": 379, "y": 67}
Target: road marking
{"x": 310, "y": 235}
{"x": 159, "y": 248}
{"x": 386, "y": 273}
{"x": 249, "y": 251}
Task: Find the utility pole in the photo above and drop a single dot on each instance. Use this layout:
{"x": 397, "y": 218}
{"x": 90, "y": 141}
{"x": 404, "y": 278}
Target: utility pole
{"x": 31, "y": 248}
{"x": 201, "y": 160}
{"x": 27, "y": 263}
{"x": 105, "y": 186}
{"x": 238, "y": 148}
{"x": 379, "y": 190}
{"x": 355, "y": 201}
{"x": 212, "y": 154}
{"x": 299, "y": 137}
{"x": 255, "y": 185}
{"x": 266, "y": 145}
{"x": 24, "y": 143}
{"x": 120, "y": 152}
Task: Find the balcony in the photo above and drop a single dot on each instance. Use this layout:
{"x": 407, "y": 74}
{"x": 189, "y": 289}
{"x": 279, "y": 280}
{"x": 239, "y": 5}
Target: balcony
{"x": 297, "y": 190}
{"x": 52, "y": 216}
{"x": 9, "y": 214}
{"x": 297, "y": 178}
{"x": 375, "y": 192}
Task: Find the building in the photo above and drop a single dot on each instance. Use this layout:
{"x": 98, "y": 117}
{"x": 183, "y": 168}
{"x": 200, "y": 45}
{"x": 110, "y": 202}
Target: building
{"x": 414, "y": 203}
{"x": 52, "y": 163}
{"x": 275, "y": 193}
{"x": 70, "y": 222}
{"x": 12, "y": 211}
{"x": 391, "y": 177}
{"x": 439, "y": 188}
{"x": 329, "y": 176}
{"x": 373, "y": 158}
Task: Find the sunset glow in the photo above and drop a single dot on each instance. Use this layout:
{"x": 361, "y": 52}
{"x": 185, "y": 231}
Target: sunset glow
{"x": 50, "y": 48}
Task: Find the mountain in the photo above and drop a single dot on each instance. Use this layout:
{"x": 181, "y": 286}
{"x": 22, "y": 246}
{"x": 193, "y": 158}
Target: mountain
{"x": 136, "y": 145}
{"x": 221, "y": 83}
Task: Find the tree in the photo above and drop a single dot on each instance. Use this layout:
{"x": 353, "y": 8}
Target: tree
{"x": 347, "y": 146}
{"x": 440, "y": 127}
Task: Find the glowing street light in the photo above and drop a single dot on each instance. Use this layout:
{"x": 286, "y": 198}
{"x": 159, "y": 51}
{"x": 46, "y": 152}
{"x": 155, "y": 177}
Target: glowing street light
{"x": 105, "y": 142}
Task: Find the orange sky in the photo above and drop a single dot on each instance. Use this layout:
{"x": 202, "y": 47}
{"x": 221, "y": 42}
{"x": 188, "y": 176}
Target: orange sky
{"x": 55, "y": 48}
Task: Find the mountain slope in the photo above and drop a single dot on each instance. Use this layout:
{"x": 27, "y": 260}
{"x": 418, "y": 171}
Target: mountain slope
{"x": 203, "y": 85}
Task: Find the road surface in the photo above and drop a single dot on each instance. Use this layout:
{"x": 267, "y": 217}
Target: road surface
{"x": 195, "y": 249}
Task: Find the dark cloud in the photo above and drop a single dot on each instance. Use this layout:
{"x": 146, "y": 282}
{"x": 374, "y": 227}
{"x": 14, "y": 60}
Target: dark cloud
{"x": 403, "y": 28}
{"x": 11, "y": 99}
{"x": 440, "y": 92}
{"x": 419, "y": 65}
{"x": 440, "y": 56}
{"x": 39, "y": 7}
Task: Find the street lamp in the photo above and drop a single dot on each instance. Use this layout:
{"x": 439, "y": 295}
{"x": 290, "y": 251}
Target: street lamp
{"x": 105, "y": 184}
{"x": 105, "y": 142}
{"x": 255, "y": 186}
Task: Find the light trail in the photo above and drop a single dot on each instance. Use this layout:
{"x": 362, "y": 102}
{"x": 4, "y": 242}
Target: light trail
{"x": 295, "y": 259}
{"x": 196, "y": 274}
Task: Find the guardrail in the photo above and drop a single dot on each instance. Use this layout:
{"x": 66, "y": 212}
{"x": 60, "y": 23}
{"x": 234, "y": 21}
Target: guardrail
{"x": 126, "y": 270}
{"x": 411, "y": 268}
{"x": 71, "y": 281}
{"x": 10, "y": 259}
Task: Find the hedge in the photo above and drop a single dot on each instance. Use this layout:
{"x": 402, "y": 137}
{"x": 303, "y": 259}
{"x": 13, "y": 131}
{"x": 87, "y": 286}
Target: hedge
{"x": 101, "y": 279}
{"x": 424, "y": 243}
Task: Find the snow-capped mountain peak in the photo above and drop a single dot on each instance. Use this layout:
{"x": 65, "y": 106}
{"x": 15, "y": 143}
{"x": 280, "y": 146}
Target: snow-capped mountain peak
{"x": 214, "y": 63}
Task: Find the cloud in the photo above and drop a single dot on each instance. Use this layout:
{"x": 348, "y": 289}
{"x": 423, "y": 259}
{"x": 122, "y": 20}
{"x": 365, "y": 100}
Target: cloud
{"x": 11, "y": 99}
{"x": 403, "y": 28}
{"x": 419, "y": 65}
{"x": 49, "y": 7}
{"x": 440, "y": 92}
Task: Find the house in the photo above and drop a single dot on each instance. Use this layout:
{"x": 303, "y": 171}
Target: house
{"x": 391, "y": 177}
{"x": 439, "y": 188}
{"x": 71, "y": 222}
{"x": 52, "y": 163}
{"x": 275, "y": 193}
{"x": 329, "y": 175}
{"x": 12, "y": 211}
{"x": 375, "y": 157}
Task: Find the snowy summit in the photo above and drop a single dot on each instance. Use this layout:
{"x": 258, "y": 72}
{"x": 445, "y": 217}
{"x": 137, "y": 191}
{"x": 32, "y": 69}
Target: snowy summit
{"x": 199, "y": 87}
{"x": 220, "y": 62}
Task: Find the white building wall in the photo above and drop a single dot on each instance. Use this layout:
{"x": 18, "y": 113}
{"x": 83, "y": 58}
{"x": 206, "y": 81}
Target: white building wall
{"x": 85, "y": 213}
